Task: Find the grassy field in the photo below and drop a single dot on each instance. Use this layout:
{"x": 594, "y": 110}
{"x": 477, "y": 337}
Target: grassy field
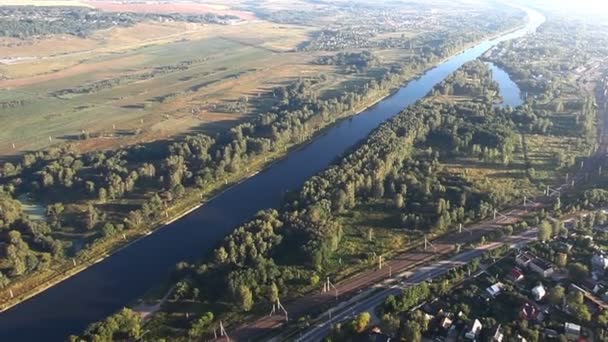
{"x": 223, "y": 65}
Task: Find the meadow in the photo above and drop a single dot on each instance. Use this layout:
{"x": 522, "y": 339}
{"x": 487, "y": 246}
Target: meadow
{"x": 128, "y": 85}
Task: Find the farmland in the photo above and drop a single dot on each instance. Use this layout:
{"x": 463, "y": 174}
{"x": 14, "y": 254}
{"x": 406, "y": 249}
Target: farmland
{"x": 106, "y": 86}
{"x": 136, "y": 98}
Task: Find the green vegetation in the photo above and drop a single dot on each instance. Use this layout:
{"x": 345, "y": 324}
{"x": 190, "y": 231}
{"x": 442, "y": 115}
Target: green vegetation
{"x": 414, "y": 169}
{"x": 97, "y": 200}
{"x": 398, "y": 169}
{"x": 27, "y": 21}
{"x": 452, "y": 158}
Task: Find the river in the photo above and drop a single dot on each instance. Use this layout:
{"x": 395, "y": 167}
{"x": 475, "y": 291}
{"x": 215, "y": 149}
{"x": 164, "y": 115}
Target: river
{"x": 102, "y": 289}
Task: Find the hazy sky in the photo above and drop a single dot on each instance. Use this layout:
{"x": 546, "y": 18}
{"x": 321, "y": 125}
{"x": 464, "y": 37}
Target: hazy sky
{"x": 587, "y": 4}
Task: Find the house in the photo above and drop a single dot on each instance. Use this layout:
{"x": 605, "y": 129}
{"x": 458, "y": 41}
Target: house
{"x": 542, "y": 267}
{"x": 592, "y": 285}
{"x": 573, "y": 331}
{"x": 599, "y": 263}
{"x": 376, "y": 335}
{"x": 474, "y": 331}
{"x": 550, "y": 334}
{"x": 495, "y": 289}
{"x": 497, "y": 336}
{"x": 538, "y": 292}
{"x": 445, "y": 323}
{"x": 516, "y": 274}
{"x": 524, "y": 258}
{"x": 528, "y": 312}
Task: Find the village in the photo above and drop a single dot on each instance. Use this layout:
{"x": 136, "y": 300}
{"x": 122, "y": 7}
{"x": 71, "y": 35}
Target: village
{"x": 548, "y": 291}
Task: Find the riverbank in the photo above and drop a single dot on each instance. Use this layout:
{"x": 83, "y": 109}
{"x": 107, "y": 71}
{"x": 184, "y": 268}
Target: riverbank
{"x": 34, "y": 284}
{"x": 200, "y": 231}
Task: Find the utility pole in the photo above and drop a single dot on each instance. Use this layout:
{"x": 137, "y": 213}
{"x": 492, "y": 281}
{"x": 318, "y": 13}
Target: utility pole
{"x": 223, "y": 332}
{"x": 328, "y": 285}
{"x": 427, "y": 243}
{"x": 280, "y": 306}
{"x": 380, "y": 260}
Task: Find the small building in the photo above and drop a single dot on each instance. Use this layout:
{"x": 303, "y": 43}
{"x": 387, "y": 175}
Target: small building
{"x": 542, "y": 267}
{"x": 599, "y": 263}
{"x": 497, "y": 336}
{"x": 538, "y": 292}
{"x": 445, "y": 323}
{"x": 516, "y": 274}
{"x": 573, "y": 331}
{"x": 550, "y": 334}
{"x": 474, "y": 331}
{"x": 523, "y": 259}
{"x": 592, "y": 285}
{"x": 528, "y": 312}
{"x": 495, "y": 289}
{"x": 376, "y": 335}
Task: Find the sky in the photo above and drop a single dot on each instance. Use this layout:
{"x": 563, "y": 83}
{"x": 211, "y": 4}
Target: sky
{"x": 587, "y": 4}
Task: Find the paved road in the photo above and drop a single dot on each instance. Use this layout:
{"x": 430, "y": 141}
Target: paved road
{"x": 422, "y": 274}
{"x": 312, "y": 303}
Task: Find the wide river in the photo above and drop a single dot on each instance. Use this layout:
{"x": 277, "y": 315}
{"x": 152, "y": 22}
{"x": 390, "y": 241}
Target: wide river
{"x": 68, "y": 307}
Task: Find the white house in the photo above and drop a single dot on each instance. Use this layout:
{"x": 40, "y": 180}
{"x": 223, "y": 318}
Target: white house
{"x": 599, "y": 262}
{"x": 495, "y": 289}
{"x": 538, "y": 292}
{"x": 474, "y": 331}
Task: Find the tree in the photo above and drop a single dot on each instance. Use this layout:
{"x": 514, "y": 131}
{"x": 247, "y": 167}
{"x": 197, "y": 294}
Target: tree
{"x": 102, "y": 195}
{"x": 314, "y": 280}
{"x": 399, "y": 201}
{"x": 602, "y": 318}
{"x": 556, "y": 295}
{"x": 273, "y": 293}
{"x": 362, "y": 321}
{"x": 390, "y": 324}
{"x": 54, "y": 211}
{"x": 245, "y": 298}
{"x": 557, "y": 227}
{"x": 92, "y": 216}
{"x": 412, "y": 331}
{"x": 544, "y": 231}
{"x": 221, "y": 256}
{"x": 576, "y": 306}
{"x": 200, "y": 326}
{"x": 578, "y": 272}
{"x": 561, "y": 260}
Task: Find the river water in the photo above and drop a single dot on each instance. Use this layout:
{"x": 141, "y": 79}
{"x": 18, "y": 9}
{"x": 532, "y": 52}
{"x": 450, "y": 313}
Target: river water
{"x": 509, "y": 91}
{"x": 107, "y": 286}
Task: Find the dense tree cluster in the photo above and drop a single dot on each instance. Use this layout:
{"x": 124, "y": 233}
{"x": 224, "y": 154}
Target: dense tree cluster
{"x": 543, "y": 64}
{"x": 122, "y": 326}
{"x": 352, "y": 61}
{"x": 27, "y": 21}
{"x": 25, "y": 245}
